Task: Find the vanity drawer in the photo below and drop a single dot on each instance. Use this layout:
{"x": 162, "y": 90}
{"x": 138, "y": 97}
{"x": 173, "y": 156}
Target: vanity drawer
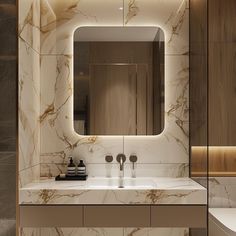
{"x": 117, "y": 216}
{"x": 51, "y": 216}
{"x": 179, "y": 216}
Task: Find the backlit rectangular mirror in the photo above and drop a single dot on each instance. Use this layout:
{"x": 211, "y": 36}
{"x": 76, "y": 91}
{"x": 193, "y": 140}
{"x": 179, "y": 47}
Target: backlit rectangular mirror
{"x": 119, "y": 81}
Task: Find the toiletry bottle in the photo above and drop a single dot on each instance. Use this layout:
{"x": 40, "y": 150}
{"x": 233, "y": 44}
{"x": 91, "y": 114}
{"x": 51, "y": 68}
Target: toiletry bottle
{"x": 71, "y": 168}
{"x": 81, "y": 169}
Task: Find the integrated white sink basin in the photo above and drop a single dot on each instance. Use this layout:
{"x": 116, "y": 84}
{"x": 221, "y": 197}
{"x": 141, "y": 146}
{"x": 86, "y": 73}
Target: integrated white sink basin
{"x": 127, "y": 183}
{"x": 102, "y": 190}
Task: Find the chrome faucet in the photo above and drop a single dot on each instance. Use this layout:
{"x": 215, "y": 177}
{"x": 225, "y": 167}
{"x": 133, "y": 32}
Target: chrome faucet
{"x": 121, "y": 158}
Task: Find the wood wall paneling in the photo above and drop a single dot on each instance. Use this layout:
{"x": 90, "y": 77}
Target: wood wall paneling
{"x": 198, "y": 87}
{"x": 222, "y": 18}
{"x": 222, "y": 87}
{"x": 222, "y": 94}
{"x": 8, "y": 115}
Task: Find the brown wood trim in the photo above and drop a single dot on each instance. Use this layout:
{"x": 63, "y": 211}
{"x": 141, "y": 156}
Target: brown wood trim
{"x": 214, "y": 174}
{"x": 179, "y": 216}
{"x": 17, "y": 122}
{"x": 222, "y": 174}
{"x": 198, "y": 174}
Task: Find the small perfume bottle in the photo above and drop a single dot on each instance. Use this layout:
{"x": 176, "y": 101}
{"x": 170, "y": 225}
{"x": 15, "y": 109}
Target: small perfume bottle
{"x": 71, "y": 168}
{"x": 81, "y": 169}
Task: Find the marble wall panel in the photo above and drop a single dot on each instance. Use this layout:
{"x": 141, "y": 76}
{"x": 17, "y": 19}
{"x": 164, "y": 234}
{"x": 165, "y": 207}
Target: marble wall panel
{"x": 29, "y": 23}
{"x": 170, "y": 16}
{"x": 29, "y": 112}
{"x": 58, "y": 20}
{"x": 109, "y": 170}
{"x": 58, "y": 139}
{"x": 29, "y": 106}
{"x": 222, "y": 192}
{"x": 104, "y": 231}
{"x": 29, "y": 175}
{"x": 82, "y": 231}
{"x": 171, "y": 146}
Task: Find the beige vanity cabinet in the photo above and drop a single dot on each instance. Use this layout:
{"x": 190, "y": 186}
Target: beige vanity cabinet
{"x": 179, "y": 216}
{"x": 51, "y": 216}
{"x": 191, "y": 216}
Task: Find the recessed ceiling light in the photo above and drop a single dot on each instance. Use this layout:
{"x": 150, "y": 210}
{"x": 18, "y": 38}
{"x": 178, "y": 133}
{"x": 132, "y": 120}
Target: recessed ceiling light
{"x": 121, "y": 8}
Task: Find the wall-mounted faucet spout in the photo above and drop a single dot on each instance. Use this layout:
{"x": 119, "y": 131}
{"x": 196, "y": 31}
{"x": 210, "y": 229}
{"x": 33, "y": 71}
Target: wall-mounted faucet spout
{"x": 121, "y": 158}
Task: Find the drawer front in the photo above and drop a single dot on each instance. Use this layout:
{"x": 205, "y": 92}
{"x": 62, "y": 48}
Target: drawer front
{"x": 179, "y": 216}
{"x": 113, "y": 216}
{"x": 51, "y": 216}
{"x": 117, "y": 216}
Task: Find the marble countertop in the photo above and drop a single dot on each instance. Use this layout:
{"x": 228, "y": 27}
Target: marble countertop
{"x": 161, "y": 191}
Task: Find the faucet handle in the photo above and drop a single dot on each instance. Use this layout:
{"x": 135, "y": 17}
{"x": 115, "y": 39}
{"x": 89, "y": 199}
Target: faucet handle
{"x": 109, "y": 158}
{"x": 120, "y": 157}
{"x": 133, "y": 158}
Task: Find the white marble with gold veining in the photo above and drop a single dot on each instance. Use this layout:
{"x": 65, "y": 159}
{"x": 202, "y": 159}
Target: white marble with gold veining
{"x": 56, "y": 231}
{"x": 58, "y": 140}
{"x": 160, "y": 191}
{"x": 29, "y": 110}
{"x": 82, "y": 231}
{"x": 109, "y": 170}
{"x": 170, "y": 16}
{"x": 61, "y": 18}
{"x": 171, "y": 146}
{"x": 29, "y": 175}
{"x": 29, "y": 106}
{"x": 156, "y": 232}
{"x": 47, "y": 27}
{"x": 29, "y": 23}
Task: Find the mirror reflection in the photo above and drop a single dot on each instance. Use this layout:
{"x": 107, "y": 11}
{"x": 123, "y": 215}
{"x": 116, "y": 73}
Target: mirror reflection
{"x": 119, "y": 81}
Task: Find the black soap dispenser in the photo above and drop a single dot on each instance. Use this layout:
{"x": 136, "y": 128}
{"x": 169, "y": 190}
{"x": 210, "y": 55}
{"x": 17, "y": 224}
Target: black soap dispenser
{"x": 71, "y": 168}
{"x": 81, "y": 169}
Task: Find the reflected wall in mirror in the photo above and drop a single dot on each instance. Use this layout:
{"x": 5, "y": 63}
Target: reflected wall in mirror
{"x": 119, "y": 81}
